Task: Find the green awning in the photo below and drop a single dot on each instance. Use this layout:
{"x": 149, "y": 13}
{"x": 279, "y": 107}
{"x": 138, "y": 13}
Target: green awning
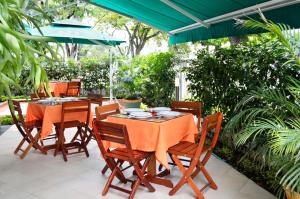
{"x": 72, "y": 31}
{"x": 194, "y": 20}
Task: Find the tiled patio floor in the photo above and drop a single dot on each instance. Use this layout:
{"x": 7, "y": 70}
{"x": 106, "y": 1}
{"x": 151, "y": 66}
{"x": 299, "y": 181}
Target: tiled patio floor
{"x": 47, "y": 177}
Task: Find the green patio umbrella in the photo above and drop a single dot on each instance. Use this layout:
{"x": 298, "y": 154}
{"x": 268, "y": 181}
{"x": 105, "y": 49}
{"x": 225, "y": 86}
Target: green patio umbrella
{"x": 194, "y": 20}
{"x": 73, "y": 31}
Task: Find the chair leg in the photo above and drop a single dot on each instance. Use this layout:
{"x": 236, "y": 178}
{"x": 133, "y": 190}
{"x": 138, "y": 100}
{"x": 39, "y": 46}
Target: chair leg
{"x": 211, "y": 182}
{"x": 27, "y": 149}
{"x": 22, "y": 156}
{"x": 20, "y": 146}
{"x": 104, "y": 169}
{"x": 134, "y": 188}
{"x": 140, "y": 174}
{"x": 109, "y": 181}
{"x": 111, "y": 163}
{"x": 185, "y": 179}
{"x": 83, "y": 144}
{"x": 60, "y": 145}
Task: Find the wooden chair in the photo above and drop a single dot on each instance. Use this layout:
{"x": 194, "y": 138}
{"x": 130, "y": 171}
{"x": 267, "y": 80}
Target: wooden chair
{"x": 68, "y": 108}
{"x": 194, "y": 151}
{"x": 95, "y": 98}
{"x": 194, "y": 108}
{"x": 102, "y": 112}
{"x": 26, "y": 130}
{"x": 40, "y": 95}
{"x": 117, "y": 133}
{"x": 73, "y": 89}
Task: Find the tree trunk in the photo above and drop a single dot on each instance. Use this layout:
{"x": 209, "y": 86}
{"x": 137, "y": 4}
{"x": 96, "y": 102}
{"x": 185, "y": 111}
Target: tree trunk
{"x": 237, "y": 39}
{"x": 72, "y": 51}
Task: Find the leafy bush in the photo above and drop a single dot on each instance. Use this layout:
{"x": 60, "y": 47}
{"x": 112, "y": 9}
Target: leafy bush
{"x": 6, "y": 120}
{"x": 62, "y": 71}
{"x": 158, "y": 79}
{"x": 94, "y": 73}
{"x": 223, "y": 77}
{"x": 152, "y": 77}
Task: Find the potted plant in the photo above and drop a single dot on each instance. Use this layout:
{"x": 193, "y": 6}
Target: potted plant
{"x": 127, "y": 94}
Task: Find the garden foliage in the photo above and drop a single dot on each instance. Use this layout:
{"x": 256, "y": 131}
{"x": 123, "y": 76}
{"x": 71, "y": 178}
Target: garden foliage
{"x": 151, "y": 77}
{"x": 222, "y": 77}
{"x": 94, "y": 73}
{"x": 225, "y": 76}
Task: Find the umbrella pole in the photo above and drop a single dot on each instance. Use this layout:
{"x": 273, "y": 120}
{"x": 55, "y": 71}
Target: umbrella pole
{"x": 110, "y": 75}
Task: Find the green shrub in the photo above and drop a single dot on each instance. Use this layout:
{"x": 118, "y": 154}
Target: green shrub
{"x": 6, "y": 120}
{"x": 153, "y": 78}
{"x": 95, "y": 74}
{"x": 223, "y": 77}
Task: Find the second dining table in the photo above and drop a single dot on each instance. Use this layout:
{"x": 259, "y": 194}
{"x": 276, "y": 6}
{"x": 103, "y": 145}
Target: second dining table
{"x": 50, "y": 114}
{"x": 157, "y": 134}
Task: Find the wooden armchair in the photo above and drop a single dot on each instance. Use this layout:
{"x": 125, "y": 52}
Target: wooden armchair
{"x": 117, "y": 133}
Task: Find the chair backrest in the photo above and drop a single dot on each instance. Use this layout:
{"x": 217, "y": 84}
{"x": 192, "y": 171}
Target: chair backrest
{"x": 39, "y": 95}
{"x": 21, "y": 126}
{"x": 95, "y": 98}
{"x": 17, "y": 108}
{"x": 81, "y": 106}
{"x": 210, "y": 123}
{"x": 194, "y": 108}
{"x": 73, "y": 88}
{"x": 113, "y": 133}
{"x": 102, "y": 112}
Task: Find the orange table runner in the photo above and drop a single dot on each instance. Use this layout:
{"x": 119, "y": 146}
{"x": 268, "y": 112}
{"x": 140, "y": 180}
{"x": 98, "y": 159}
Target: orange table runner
{"x": 51, "y": 114}
{"x": 158, "y": 136}
{"x": 58, "y": 87}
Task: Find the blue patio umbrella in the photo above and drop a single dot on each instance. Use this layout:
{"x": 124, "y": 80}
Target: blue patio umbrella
{"x": 73, "y": 31}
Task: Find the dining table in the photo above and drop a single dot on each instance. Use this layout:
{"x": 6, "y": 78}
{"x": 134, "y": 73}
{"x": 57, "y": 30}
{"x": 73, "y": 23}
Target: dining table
{"x": 156, "y": 134}
{"x": 50, "y": 113}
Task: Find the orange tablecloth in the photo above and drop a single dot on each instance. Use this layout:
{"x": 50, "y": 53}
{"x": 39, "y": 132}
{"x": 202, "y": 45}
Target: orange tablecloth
{"x": 58, "y": 87}
{"x": 51, "y": 114}
{"x": 158, "y": 137}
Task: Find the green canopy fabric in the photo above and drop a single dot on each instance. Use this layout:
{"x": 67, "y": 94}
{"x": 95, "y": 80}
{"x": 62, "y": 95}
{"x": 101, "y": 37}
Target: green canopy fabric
{"x": 72, "y": 31}
{"x": 171, "y": 15}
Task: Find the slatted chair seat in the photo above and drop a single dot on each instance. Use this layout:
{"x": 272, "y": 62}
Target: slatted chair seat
{"x": 185, "y": 148}
{"x": 123, "y": 154}
{"x": 71, "y": 124}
